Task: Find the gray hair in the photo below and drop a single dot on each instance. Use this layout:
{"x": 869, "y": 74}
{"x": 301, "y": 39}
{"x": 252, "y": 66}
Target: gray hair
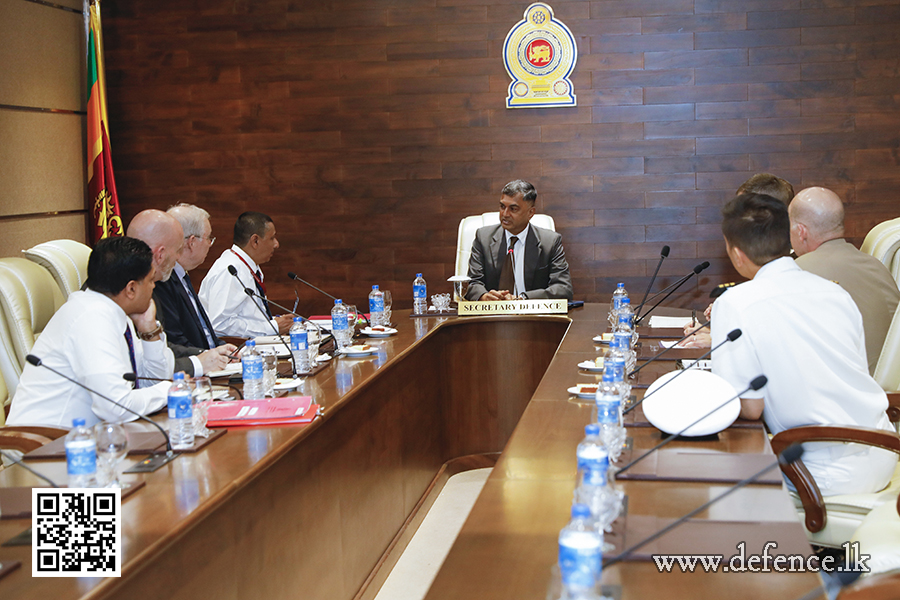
{"x": 191, "y": 218}
{"x": 520, "y": 187}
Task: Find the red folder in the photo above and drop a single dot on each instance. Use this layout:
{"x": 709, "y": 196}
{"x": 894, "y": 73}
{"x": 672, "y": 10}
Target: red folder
{"x": 290, "y": 410}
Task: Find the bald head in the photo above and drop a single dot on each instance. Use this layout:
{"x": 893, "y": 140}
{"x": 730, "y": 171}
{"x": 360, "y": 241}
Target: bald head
{"x": 817, "y": 216}
{"x": 163, "y": 234}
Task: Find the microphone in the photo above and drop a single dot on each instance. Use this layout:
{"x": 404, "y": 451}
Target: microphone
{"x": 27, "y": 468}
{"x": 695, "y": 271}
{"x": 720, "y": 289}
{"x": 662, "y": 256}
{"x": 732, "y": 335}
{"x": 293, "y": 276}
{"x": 132, "y": 377}
{"x": 169, "y": 455}
{"x": 756, "y": 384}
{"x": 789, "y": 455}
{"x": 692, "y": 332}
{"x": 251, "y": 294}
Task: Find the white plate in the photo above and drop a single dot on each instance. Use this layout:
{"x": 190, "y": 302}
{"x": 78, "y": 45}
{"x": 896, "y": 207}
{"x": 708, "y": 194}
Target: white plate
{"x": 379, "y": 334}
{"x": 603, "y": 338}
{"x": 355, "y": 351}
{"x": 694, "y": 394}
{"x": 282, "y": 384}
{"x": 575, "y": 390}
{"x": 323, "y": 358}
{"x": 589, "y": 365}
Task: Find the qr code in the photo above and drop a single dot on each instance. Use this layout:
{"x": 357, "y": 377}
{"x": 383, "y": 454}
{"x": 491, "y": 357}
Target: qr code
{"x": 77, "y": 532}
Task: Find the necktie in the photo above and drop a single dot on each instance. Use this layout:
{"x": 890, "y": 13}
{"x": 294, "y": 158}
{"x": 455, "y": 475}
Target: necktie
{"x": 507, "y": 272}
{"x": 130, "y": 341}
{"x": 261, "y": 288}
{"x": 201, "y": 314}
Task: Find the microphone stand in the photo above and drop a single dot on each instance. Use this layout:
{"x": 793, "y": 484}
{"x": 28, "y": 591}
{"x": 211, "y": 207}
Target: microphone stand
{"x": 789, "y": 455}
{"x": 157, "y": 460}
{"x": 293, "y": 276}
{"x": 662, "y": 256}
{"x": 22, "y": 464}
{"x": 697, "y": 270}
{"x": 732, "y": 335}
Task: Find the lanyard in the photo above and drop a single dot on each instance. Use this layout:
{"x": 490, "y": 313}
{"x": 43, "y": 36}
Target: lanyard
{"x": 258, "y": 281}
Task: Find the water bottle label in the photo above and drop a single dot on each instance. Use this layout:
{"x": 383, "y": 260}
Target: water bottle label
{"x": 180, "y": 406}
{"x": 376, "y": 305}
{"x": 252, "y": 369}
{"x": 580, "y": 568}
{"x": 624, "y": 339}
{"x": 339, "y": 322}
{"x": 617, "y": 302}
{"x": 298, "y": 341}
{"x": 616, "y": 368}
{"x": 419, "y": 292}
{"x": 608, "y": 410}
{"x": 81, "y": 457}
{"x": 596, "y": 476}
{"x": 593, "y": 464}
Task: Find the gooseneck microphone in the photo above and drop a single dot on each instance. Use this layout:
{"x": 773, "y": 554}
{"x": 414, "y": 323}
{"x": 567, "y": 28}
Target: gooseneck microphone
{"x": 756, "y": 384}
{"x": 662, "y": 256}
{"x": 37, "y": 362}
{"x": 22, "y": 464}
{"x": 789, "y": 455}
{"x": 293, "y": 276}
{"x": 133, "y": 377}
{"x": 695, "y": 271}
{"x": 675, "y": 345}
{"x": 251, "y": 294}
{"x": 732, "y": 335}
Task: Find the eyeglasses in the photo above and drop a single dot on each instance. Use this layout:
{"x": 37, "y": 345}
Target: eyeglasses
{"x": 211, "y": 240}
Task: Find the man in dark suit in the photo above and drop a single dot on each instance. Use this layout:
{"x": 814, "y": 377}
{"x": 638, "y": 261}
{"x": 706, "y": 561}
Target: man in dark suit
{"x": 186, "y": 324}
{"x": 516, "y": 260}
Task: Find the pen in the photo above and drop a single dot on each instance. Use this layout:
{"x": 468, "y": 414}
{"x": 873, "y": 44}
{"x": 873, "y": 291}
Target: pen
{"x": 694, "y": 316}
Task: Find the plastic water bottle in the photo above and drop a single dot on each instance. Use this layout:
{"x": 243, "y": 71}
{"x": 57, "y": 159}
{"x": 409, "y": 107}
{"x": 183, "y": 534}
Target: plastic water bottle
{"x": 376, "y": 307}
{"x": 181, "y": 417}
{"x": 300, "y": 346}
{"x": 420, "y": 290}
{"x": 623, "y": 339}
{"x": 614, "y": 357}
{"x": 622, "y": 385}
{"x": 81, "y": 455}
{"x": 626, "y": 310}
{"x": 340, "y": 325}
{"x": 580, "y": 555}
{"x": 609, "y": 415}
{"x": 592, "y": 457}
{"x": 252, "y": 372}
{"x": 593, "y": 489}
{"x": 614, "y": 304}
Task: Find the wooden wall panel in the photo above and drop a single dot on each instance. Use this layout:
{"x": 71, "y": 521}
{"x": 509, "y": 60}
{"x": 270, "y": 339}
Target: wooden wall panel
{"x": 368, "y": 128}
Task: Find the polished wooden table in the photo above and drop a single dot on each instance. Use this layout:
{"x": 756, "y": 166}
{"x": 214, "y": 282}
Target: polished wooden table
{"x": 314, "y": 511}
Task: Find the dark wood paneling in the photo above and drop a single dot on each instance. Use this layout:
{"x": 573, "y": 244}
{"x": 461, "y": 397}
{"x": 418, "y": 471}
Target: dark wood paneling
{"x": 378, "y": 124}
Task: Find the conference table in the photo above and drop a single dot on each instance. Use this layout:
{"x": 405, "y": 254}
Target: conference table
{"x": 324, "y": 510}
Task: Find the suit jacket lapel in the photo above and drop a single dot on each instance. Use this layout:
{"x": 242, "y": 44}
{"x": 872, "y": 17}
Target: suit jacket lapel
{"x": 532, "y": 252}
{"x": 498, "y": 248}
{"x": 189, "y": 306}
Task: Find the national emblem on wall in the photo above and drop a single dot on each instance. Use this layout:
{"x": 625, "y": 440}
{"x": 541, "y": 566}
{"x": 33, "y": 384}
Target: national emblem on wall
{"x": 539, "y": 54}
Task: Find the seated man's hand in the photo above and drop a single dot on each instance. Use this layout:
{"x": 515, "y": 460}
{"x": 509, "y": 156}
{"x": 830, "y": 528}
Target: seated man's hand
{"x": 700, "y": 339}
{"x": 708, "y": 312}
{"x": 215, "y": 359}
{"x": 284, "y": 323}
{"x": 495, "y": 295}
{"x": 145, "y": 321}
{"x": 227, "y": 350}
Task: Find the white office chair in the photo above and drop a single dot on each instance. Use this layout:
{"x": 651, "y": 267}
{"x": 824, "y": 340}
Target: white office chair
{"x": 469, "y": 225}
{"x": 887, "y": 370}
{"x": 883, "y": 242}
{"x": 65, "y": 259}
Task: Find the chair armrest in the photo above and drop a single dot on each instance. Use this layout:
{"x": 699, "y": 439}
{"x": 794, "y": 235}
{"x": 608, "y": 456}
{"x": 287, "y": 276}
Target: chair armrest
{"x": 879, "y": 587}
{"x": 21, "y": 441}
{"x": 893, "y": 410}
{"x": 810, "y": 495}
{"x": 47, "y": 432}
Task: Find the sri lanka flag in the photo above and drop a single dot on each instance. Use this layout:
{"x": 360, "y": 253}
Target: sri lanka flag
{"x": 106, "y": 220}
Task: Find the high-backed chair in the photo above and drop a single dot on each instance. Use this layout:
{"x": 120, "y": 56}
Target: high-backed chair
{"x": 887, "y": 370}
{"x": 65, "y": 259}
{"x": 28, "y": 298}
{"x": 883, "y": 242}
{"x": 469, "y": 225}
{"x": 832, "y": 520}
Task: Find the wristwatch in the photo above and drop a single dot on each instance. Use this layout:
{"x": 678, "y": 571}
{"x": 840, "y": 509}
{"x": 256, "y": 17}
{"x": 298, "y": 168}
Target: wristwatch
{"x": 149, "y": 335}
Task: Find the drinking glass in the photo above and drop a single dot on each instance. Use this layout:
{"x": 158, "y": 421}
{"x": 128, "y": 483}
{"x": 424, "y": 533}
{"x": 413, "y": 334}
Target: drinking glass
{"x": 312, "y": 344}
{"x": 388, "y": 302}
{"x": 112, "y": 445}
{"x": 352, "y": 317}
{"x": 270, "y": 371}
{"x": 201, "y": 399}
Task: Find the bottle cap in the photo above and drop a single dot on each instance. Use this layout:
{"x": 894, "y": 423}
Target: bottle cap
{"x": 580, "y": 511}
{"x": 626, "y": 300}
{"x": 250, "y": 343}
{"x": 179, "y": 376}
{"x": 418, "y": 274}
{"x": 77, "y": 422}
{"x": 297, "y": 319}
{"x": 592, "y": 429}
{"x": 620, "y": 285}
{"x": 374, "y": 287}
{"x": 338, "y": 301}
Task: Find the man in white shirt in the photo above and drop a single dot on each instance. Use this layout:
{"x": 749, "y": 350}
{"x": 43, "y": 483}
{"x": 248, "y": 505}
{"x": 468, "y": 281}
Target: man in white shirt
{"x": 232, "y": 311}
{"x": 165, "y": 236}
{"x": 96, "y": 337}
{"x": 805, "y": 334}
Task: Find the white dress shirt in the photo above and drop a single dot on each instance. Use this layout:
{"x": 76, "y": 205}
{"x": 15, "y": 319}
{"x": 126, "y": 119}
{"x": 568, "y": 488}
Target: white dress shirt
{"x": 518, "y": 259}
{"x": 230, "y": 309}
{"x": 805, "y": 335}
{"x": 85, "y": 340}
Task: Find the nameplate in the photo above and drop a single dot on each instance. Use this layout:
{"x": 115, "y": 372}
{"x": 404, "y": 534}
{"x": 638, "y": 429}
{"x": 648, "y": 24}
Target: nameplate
{"x": 513, "y": 307}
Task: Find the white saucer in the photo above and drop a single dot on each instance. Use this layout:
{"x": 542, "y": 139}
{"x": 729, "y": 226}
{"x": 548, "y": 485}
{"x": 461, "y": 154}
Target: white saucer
{"x": 389, "y": 331}
{"x": 286, "y": 383}
{"x": 589, "y": 365}
{"x": 603, "y": 338}
{"x": 575, "y": 390}
{"x": 357, "y": 351}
